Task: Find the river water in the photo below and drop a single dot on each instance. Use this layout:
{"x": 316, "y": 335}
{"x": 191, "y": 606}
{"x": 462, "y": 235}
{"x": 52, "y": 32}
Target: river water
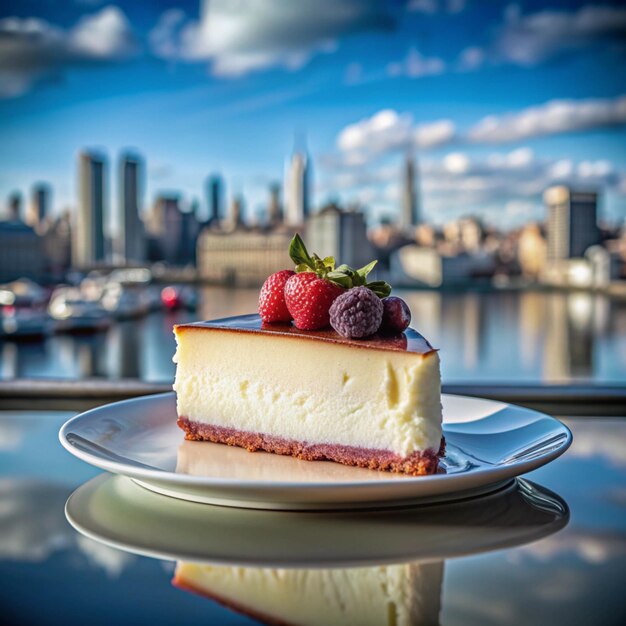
{"x": 513, "y": 337}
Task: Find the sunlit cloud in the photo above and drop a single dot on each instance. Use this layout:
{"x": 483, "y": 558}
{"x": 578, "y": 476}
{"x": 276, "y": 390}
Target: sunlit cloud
{"x": 33, "y": 50}
{"x": 248, "y": 36}
{"x": 553, "y": 117}
{"x": 416, "y": 65}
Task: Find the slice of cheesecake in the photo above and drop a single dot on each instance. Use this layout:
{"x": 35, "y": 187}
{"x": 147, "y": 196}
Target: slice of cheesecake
{"x": 315, "y": 395}
{"x": 393, "y": 595}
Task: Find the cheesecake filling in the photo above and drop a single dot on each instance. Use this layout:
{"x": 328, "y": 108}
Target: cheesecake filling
{"x": 306, "y": 390}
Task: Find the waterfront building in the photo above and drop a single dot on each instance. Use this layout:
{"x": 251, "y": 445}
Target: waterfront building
{"x": 342, "y": 234}
{"x": 532, "y": 251}
{"x": 243, "y": 257}
{"x": 414, "y": 265}
{"x": 88, "y": 245}
{"x": 572, "y": 222}
{"x": 21, "y": 253}
{"x": 297, "y": 187}
{"x": 131, "y": 236}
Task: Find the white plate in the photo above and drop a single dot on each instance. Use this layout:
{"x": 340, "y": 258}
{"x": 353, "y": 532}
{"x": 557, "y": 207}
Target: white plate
{"x": 115, "y": 511}
{"x": 486, "y": 443}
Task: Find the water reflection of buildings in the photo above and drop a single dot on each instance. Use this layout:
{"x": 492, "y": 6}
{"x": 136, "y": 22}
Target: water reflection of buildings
{"x": 572, "y": 323}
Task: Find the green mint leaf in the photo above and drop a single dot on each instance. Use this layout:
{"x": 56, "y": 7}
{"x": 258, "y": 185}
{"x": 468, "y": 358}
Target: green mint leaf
{"x": 366, "y": 269}
{"x": 298, "y": 252}
{"x": 340, "y": 278}
{"x": 380, "y": 288}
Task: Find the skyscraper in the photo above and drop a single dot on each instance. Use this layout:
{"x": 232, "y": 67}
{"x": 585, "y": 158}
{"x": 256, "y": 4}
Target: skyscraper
{"x": 572, "y": 222}
{"x": 88, "y": 233}
{"x": 14, "y": 207}
{"x": 274, "y": 210}
{"x": 409, "y": 214}
{"x": 236, "y": 211}
{"x": 131, "y": 237}
{"x": 215, "y": 198}
{"x": 39, "y": 208}
{"x": 297, "y": 181}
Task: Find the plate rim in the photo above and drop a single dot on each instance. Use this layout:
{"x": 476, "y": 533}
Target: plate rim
{"x": 126, "y": 545}
{"x": 116, "y": 467}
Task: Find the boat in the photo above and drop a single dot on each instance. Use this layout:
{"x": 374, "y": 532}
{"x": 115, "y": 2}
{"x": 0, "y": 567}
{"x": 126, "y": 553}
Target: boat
{"x": 72, "y": 312}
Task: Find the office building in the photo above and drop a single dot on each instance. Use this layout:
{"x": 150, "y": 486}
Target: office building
{"x": 131, "y": 236}
{"x": 39, "y": 209}
{"x": 572, "y": 222}
{"x": 164, "y": 226}
{"x": 21, "y": 252}
{"x": 297, "y": 183}
{"x": 409, "y": 210}
{"x": 88, "y": 246}
{"x": 274, "y": 209}
{"x": 342, "y": 234}
{"x": 14, "y": 207}
{"x": 235, "y": 212}
{"x": 215, "y": 199}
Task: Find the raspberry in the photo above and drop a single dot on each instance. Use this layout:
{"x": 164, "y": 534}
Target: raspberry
{"x": 396, "y": 315}
{"x": 356, "y": 313}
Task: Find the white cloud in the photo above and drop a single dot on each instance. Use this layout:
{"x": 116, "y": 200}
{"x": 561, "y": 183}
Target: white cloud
{"x": 33, "y": 50}
{"x": 388, "y": 131}
{"x": 415, "y": 65}
{"x": 237, "y": 38}
{"x": 383, "y": 132}
{"x": 556, "y": 116}
{"x": 434, "y": 134}
{"x": 530, "y": 39}
{"x": 430, "y": 7}
{"x": 471, "y": 58}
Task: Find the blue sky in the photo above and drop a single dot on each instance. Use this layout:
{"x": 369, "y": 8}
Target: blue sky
{"x": 497, "y": 100}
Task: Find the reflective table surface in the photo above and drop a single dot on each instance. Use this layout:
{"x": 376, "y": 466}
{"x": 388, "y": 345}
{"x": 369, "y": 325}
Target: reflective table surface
{"x": 547, "y": 549}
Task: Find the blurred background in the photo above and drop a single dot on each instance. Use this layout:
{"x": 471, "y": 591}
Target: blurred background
{"x": 157, "y": 157}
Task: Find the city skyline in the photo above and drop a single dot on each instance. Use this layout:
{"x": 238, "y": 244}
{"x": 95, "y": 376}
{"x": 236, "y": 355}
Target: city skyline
{"x": 499, "y": 102}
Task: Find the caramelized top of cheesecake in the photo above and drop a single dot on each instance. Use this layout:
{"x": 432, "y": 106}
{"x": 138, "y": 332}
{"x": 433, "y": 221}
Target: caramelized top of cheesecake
{"x": 408, "y": 341}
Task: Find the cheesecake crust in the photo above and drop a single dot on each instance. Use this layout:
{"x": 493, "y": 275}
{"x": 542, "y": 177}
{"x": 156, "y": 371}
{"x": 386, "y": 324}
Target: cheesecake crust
{"x": 416, "y": 464}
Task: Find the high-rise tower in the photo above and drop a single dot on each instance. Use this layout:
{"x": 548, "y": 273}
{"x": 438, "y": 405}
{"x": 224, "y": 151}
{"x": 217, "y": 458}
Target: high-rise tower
{"x": 215, "y": 198}
{"x": 131, "y": 239}
{"x": 88, "y": 232}
{"x": 572, "y": 222}
{"x": 297, "y": 181}
{"x": 39, "y": 208}
{"x": 274, "y": 210}
{"x": 409, "y": 212}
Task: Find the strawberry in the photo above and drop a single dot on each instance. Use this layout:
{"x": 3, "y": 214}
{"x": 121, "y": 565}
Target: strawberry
{"x": 272, "y": 306}
{"x": 308, "y": 299}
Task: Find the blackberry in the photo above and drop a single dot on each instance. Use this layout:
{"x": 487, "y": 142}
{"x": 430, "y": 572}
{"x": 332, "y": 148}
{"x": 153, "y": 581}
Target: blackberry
{"x": 356, "y": 313}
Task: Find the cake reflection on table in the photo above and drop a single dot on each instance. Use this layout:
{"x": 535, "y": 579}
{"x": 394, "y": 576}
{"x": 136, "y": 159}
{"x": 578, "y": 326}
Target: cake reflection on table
{"x": 392, "y": 595}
